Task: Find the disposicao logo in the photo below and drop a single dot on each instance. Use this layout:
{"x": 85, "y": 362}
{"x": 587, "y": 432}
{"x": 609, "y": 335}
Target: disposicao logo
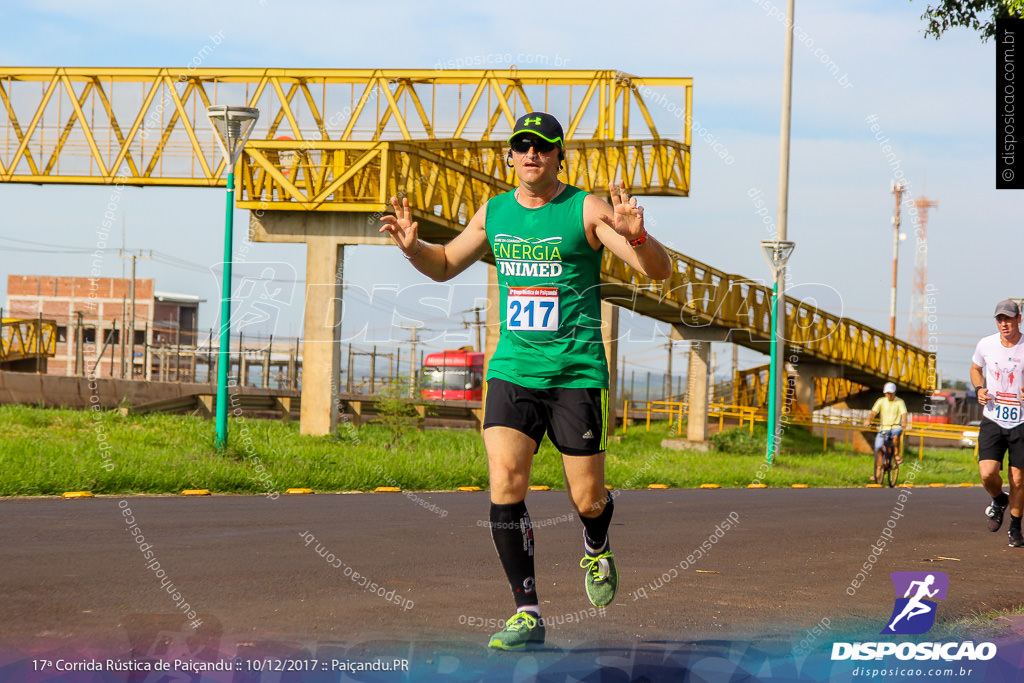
{"x": 916, "y": 595}
{"x": 914, "y": 613}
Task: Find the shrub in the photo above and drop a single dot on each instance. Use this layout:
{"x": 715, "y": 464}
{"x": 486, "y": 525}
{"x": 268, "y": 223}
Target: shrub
{"x": 739, "y": 440}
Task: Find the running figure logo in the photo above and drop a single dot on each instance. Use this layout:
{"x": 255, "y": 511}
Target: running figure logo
{"x": 915, "y": 612}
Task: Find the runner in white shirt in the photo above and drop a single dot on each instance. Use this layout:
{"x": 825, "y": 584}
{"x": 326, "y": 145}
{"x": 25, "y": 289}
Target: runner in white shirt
{"x": 996, "y": 369}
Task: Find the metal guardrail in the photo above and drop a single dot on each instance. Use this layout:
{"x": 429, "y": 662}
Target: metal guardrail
{"x": 675, "y": 411}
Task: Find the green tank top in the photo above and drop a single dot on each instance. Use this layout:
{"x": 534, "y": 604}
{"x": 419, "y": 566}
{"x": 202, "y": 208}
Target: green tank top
{"x": 550, "y": 300}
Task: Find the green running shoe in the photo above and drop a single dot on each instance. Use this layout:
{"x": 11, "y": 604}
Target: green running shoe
{"x": 522, "y": 630}
{"x": 601, "y": 579}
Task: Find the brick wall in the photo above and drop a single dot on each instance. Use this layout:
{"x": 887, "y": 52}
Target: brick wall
{"x": 101, "y": 301}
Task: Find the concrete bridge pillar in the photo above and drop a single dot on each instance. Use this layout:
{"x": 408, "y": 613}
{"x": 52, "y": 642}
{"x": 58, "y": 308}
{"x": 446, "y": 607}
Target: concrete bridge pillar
{"x": 321, "y": 347}
{"x": 806, "y": 371}
{"x": 325, "y": 234}
{"x": 697, "y": 391}
{"x": 699, "y": 363}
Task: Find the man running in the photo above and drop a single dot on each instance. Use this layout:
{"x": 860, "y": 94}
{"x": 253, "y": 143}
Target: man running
{"x": 996, "y": 369}
{"x": 915, "y": 606}
{"x": 548, "y": 374}
{"x": 892, "y": 420}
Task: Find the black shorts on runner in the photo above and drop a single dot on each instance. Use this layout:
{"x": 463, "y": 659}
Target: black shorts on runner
{"x": 994, "y": 441}
{"x": 574, "y": 419}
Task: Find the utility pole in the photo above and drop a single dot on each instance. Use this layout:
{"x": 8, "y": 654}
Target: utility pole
{"x": 735, "y": 374}
{"x": 478, "y": 324}
{"x": 897, "y": 189}
{"x": 479, "y": 330}
{"x": 412, "y": 358}
{"x": 130, "y": 328}
{"x": 79, "y": 346}
{"x": 668, "y": 377}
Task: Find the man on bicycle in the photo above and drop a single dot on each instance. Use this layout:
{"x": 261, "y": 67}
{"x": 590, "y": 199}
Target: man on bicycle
{"x": 892, "y": 420}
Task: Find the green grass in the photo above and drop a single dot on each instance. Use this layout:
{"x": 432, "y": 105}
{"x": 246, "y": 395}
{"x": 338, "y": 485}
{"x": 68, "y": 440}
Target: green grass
{"x": 50, "y": 451}
{"x": 978, "y": 626}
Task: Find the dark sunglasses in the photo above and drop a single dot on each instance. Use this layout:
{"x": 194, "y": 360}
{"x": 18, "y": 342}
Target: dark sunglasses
{"x": 522, "y": 145}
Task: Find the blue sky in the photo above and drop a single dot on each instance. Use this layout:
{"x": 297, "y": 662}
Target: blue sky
{"x": 934, "y": 101}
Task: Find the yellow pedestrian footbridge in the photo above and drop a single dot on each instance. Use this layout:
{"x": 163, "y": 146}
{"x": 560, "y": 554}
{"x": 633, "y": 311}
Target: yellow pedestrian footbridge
{"x": 25, "y": 344}
{"x": 343, "y": 141}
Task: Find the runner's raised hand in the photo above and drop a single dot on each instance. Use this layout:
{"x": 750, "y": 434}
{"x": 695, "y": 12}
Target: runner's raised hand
{"x": 402, "y": 228}
{"x": 628, "y": 218}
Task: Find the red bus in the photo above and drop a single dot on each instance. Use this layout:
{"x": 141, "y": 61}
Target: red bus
{"x": 938, "y": 408}
{"x": 950, "y": 406}
{"x": 453, "y": 375}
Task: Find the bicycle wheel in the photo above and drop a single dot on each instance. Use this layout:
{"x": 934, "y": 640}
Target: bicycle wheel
{"x": 879, "y": 467}
{"x": 892, "y": 472}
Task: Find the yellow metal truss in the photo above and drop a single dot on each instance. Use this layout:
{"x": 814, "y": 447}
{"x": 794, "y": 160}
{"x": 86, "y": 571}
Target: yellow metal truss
{"x": 697, "y": 295}
{"x": 455, "y": 177}
{"x": 22, "y": 339}
{"x": 754, "y": 385}
{"x": 148, "y": 126}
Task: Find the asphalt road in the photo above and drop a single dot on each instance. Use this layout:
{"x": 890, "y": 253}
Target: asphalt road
{"x": 415, "y": 576}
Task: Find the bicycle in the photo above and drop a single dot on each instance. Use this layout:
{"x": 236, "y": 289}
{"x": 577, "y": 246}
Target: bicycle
{"x": 887, "y": 465}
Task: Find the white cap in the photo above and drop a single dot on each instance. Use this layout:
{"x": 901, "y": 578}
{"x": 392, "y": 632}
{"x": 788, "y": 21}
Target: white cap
{"x": 889, "y": 388}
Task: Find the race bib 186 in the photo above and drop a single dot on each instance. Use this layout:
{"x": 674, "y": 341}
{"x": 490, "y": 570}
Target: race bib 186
{"x": 1007, "y": 407}
{"x": 532, "y": 309}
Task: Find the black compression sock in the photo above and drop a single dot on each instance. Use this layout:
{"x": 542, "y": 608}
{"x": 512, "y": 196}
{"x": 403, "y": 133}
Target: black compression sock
{"x": 1014, "y": 523}
{"x": 512, "y": 534}
{"x": 596, "y": 528}
{"x": 1002, "y": 500}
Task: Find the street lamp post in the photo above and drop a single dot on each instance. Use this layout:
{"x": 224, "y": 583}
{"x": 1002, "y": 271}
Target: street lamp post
{"x": 233, "y": 126}
{"x": 777, "y": 252}
{"x": 779, "y": 248}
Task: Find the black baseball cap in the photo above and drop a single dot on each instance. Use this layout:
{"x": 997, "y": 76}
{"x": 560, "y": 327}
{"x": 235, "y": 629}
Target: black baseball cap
{"x": 1007, "y": 307}
{"x": 540, "y": 124}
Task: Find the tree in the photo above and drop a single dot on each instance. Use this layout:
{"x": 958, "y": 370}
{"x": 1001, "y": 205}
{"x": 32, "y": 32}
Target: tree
{"x": 978, "y": 15}
{"x": 395, "y": 410}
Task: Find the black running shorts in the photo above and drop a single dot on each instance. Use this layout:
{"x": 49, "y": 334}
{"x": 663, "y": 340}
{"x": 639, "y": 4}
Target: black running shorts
{"x": 574, "y": 419}
{"x": 994, "y": 441}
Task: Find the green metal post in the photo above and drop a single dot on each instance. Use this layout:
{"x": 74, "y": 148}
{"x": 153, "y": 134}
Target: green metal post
{"x": 772, "y": 374}
{"x": 224, "y": 358}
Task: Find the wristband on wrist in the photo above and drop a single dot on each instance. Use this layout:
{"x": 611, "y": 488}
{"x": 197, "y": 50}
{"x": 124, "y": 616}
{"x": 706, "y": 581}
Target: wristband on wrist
{"x": 419, "y": 248}
{"x": 978, "y": 388}
{"x": 639, "y": 240}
